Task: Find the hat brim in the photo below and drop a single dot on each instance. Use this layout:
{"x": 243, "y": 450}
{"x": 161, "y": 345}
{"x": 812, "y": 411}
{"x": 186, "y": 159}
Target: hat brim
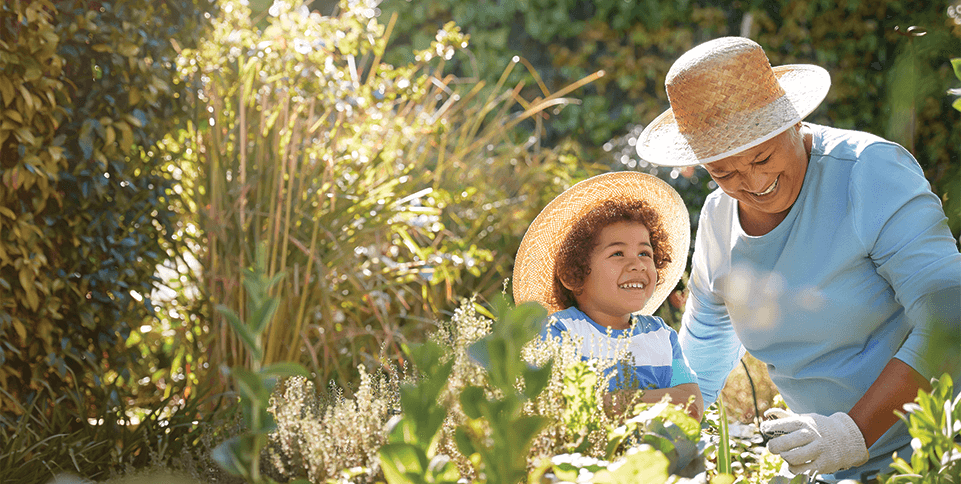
{"x": 805, "y": 87}
{"x": 533, "y": 278}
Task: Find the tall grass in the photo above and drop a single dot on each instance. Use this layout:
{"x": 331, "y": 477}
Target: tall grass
{"x": 377, "y": 189}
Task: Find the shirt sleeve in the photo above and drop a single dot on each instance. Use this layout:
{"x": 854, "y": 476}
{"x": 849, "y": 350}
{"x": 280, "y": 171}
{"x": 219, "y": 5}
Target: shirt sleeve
{"x": 553, "y": 329}
{"x": 902, "y": 226}
{"x": 681, "y": 371}
{"x": 707, "y": 337}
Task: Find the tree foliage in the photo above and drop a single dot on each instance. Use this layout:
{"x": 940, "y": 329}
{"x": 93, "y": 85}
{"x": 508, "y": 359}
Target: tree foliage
{"x": 88, "y": 89}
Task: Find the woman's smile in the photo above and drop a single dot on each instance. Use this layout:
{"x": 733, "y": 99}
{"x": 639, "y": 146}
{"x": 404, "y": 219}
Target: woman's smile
{"x": 769, "y": 189}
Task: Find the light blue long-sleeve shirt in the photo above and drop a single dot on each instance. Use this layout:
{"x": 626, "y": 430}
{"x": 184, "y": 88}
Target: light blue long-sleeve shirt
{"x": 835, "y": 291}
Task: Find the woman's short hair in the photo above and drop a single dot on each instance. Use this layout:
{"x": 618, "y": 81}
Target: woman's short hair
{"x": 574, "y": 255}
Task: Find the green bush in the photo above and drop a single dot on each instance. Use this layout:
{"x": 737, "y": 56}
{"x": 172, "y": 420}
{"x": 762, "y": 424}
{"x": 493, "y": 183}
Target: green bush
{"x": 85, "y": 219}
{"x": 88, "y": 90}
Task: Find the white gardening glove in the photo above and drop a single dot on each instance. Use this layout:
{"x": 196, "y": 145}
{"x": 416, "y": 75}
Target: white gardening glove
{"x": 814, "y": 443}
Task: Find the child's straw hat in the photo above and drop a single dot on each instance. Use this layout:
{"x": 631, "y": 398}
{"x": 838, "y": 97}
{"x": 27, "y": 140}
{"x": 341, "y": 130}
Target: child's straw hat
{"x": 725, "y": 98}
{"x": 534, "y": 265}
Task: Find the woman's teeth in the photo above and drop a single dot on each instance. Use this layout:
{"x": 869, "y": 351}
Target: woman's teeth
{"x": 770, "y": 188}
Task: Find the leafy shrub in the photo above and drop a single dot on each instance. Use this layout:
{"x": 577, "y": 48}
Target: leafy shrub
{"x": 88, "y": 90}
{"x": 85, "y": 220}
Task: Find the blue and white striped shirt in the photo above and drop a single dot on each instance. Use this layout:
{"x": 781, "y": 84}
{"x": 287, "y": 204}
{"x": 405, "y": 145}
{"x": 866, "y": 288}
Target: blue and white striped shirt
{"x": 651, "y": 354}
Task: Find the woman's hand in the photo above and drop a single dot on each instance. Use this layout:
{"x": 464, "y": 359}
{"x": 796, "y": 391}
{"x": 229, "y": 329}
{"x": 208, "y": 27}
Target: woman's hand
{"x": 811, "y": 442}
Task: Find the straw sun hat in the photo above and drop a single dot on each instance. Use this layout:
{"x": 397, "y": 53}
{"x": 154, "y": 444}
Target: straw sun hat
{"x": 534, "y": 265}
{"x": 725, "y": 98}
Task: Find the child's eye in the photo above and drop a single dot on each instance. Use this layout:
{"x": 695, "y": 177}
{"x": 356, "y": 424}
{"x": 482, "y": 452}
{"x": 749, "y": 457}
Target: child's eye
{"x": 646, "y": 253}
{"x": 617, "y": 254}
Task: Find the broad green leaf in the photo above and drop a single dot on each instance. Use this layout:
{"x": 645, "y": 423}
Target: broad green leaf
{"x": 241, "y": 329}
{"x": 645, "y": 465}
{"x": 401, "y": 429}
{"x": 442, "y": 470}
{"x": 263, "y": 314}
{"x": 230, "y": 456}
{"x": 536, "y": 379}
{"x": 400, "y": 461}
{"x": 470, "y": 400}
{"x": 464, "y": 443}
{"x": 250, "y": 385}
{"x": 7, "y": 90}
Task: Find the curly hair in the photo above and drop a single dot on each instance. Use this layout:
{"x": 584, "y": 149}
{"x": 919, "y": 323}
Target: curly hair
{"x": 574, "y": 255}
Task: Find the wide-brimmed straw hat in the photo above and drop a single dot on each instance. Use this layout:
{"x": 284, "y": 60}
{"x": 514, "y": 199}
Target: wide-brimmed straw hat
{"x": 725, "y": 98}
{"x": 534, "y": 265}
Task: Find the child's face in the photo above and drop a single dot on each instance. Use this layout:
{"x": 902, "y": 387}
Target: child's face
{"x": 622, "y": 276}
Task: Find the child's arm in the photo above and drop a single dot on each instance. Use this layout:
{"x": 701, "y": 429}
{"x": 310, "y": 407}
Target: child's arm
{"x": 619, "y": 401}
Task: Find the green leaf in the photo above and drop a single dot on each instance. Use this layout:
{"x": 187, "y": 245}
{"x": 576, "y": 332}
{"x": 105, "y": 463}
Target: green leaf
{"x": 230, "y": 456}
{"x": 646, "y": 465}
{"x": 956, "y": 64}
{"x": 250, "y": 385}
{"x": 724, "y": 446}
{"x": 464, "y": 443}
{"x": 470, "y": 400}
{"x": 442, "y": 470}
{"x": 401, "y": 462}
{"x": 401, "y": 429}
{"x": 242, "y": 331}
{"x": 536, "y": 379}
{"x": 263, "y": 314}
{"x": 85, "y": 138}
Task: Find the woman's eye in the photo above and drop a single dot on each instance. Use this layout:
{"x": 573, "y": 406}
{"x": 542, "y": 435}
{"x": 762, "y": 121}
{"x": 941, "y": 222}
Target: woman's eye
{"x": 763, "y": 161}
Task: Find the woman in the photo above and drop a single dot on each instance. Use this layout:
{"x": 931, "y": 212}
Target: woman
{"x": 824, "y": 253}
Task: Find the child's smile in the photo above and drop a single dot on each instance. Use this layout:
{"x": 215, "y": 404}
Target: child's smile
{"x": 622, "y": 276}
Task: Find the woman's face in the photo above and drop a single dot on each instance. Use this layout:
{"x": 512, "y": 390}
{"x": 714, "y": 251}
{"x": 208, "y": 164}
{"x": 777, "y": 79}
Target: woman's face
{"x": 767, "y": 178}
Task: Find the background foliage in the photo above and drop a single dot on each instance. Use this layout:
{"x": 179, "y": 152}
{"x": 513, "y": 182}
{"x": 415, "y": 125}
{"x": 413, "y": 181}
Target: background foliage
{"x": 884, "y": 81}
{"x": 87, "y": 90}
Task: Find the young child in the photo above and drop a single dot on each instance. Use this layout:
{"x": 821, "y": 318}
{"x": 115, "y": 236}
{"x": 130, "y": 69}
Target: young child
{"x": 602, "y": 257}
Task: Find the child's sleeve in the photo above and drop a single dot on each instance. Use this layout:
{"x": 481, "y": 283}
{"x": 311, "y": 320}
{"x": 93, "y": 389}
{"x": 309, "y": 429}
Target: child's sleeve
{"x": 681, "y": 371}
{"x": 553, "y": 329}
